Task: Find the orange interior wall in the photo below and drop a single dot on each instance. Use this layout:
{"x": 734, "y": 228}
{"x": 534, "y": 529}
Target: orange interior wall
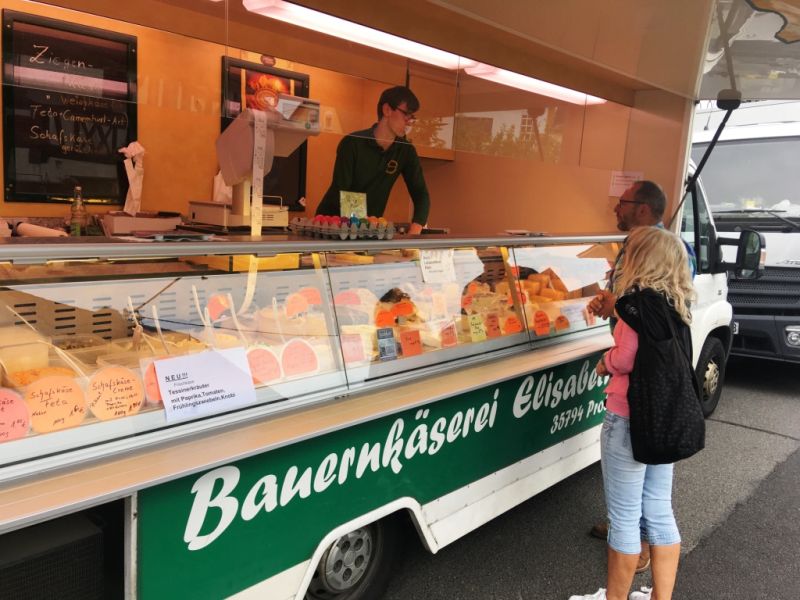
{"x": 179, "y": 117}
{"x": 472, "y": 193}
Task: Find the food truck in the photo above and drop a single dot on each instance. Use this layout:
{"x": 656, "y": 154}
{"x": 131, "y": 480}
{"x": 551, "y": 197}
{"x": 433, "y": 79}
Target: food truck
{"x": 207, "y": 412}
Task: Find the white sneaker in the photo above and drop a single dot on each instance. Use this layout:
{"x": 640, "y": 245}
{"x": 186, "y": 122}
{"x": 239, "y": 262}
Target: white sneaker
{"x": 644, "y": 594}
{"x": 598, "y": 595}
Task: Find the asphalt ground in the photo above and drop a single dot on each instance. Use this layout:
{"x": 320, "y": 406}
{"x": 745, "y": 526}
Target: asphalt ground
{"x": 737, "y": 504}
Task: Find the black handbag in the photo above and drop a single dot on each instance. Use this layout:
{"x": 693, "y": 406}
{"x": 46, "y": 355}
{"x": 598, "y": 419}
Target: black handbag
{"x": 666, "y": 419}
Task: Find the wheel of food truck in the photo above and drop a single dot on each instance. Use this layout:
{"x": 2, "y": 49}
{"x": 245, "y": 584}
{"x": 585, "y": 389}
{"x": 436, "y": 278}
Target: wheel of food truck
{"x": 357, "y": 566}
{"x": 711, "y": 374}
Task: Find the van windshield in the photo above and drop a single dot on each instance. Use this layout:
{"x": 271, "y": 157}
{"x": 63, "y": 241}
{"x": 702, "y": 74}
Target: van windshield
{"x": 752, "y": 174}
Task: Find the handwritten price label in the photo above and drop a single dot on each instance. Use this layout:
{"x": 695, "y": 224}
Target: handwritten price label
{"x": 264, "y": 365}
{"x": 449, "y": 335}
{"x": 541, "y": 323}
{"x": 295, "y": 305}
{"x": 438, "y": 305}
{"x": 352, "y": 348}
{"x": 312, "y": 295}
{"x": 151, "y": 384}
{"x": 299, "y": 358}
{"x": 410, "y": 343}
{"x": 55, "y": 403}
{"x": 115, "y": 392}
{"x": 493, "y": 325}
{"x": 14, "y": 419}
{"x": 561, "y": 323}
{"x": 513, "y": 325}
{"x": 477, "y": 329}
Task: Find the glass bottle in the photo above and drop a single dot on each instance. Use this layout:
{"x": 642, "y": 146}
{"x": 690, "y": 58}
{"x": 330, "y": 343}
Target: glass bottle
{"x": 78, "y": 214}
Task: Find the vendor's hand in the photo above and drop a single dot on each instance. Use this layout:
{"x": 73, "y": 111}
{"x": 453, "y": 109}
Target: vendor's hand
{"x": 415, "y": 229}
{"x": 602, "y": 305}
{"x": 600, "y": 368}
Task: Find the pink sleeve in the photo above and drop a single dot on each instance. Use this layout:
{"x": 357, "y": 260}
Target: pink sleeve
{"x": 619, "y": 359}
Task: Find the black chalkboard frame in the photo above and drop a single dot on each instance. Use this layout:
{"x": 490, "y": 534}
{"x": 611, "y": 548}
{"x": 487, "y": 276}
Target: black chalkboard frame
{"x": 11, "y": 194}
{"x": 291, "y": 169}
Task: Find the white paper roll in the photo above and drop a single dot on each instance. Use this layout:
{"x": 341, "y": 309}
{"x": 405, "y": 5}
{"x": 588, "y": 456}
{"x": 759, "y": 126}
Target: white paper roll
{"x": 31, "y": 230}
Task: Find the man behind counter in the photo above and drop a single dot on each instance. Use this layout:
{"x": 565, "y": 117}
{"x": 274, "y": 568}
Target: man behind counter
{"x": 371, "y": 160}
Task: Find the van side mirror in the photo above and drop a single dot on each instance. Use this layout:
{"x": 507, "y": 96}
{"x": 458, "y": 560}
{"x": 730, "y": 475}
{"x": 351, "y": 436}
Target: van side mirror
{"x": 751, "y": 255}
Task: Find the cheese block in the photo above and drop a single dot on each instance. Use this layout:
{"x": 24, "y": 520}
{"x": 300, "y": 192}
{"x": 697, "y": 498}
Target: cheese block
{"x": 553, "y": 294}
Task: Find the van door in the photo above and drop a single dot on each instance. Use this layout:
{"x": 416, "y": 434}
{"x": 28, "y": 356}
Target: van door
{"x": 711, "y": 312}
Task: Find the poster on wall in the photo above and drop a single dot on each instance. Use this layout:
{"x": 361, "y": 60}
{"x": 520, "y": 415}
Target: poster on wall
{"x": 69, "y": 104}
{"x": 257, "y": 87}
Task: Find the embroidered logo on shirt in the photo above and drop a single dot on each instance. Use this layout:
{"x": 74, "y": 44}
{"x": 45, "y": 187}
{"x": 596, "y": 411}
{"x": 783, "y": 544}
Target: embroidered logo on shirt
{"x": 391, "y": 167}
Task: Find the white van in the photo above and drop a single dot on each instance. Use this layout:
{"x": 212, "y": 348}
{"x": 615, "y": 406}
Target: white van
{"x": 752, "y": 181}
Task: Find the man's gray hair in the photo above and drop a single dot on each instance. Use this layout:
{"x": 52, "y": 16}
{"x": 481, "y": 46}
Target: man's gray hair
{"x": 651, "y": 194}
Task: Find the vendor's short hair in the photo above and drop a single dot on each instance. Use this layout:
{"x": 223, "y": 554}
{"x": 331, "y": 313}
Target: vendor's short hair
{"x": 395, "y": 96}
{"x": 651, "y": 194}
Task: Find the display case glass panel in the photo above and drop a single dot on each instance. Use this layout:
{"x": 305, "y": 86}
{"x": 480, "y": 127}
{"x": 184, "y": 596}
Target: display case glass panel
{"x": 90, "y": 349}
{"x": 401, "y": 310}
{"x": 556, "y": 283}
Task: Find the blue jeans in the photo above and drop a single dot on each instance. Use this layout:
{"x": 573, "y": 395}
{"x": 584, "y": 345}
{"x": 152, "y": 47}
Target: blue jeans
{"x": 636, "y": 493}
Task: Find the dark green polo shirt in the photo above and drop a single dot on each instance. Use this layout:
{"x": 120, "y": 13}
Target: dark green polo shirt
{"x": 363, "y": 166}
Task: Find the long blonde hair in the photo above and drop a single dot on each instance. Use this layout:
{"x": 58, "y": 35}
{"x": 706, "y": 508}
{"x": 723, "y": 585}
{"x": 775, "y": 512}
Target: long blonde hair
{"x": 657, "y": 259}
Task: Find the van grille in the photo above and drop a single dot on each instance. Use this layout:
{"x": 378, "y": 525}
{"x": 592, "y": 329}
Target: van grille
{"x": 776, "y": 292}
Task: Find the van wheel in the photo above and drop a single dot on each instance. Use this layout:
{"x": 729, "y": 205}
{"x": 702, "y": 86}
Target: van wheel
{"x": 357, "y": 566}
{"x": 710, "y": 374}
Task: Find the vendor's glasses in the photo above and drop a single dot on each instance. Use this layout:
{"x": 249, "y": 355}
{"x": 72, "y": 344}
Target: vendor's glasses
{"x": 409, "y": 116}
{"x": 621, "y": 202}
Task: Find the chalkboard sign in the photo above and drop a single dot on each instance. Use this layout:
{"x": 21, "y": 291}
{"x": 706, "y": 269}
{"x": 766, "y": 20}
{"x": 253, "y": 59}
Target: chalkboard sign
{"x": 259, "y": 86}
{"x": 69, "y": 105}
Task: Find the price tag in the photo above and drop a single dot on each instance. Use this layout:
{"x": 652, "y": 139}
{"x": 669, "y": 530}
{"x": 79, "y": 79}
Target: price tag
{"x": 352, "y": 348}
{"x": 561, "y": 323}
{"x": 14, "y": 418}
{"x": 298, "y": 358}
{"x": 55, "y": 403}
{"x": 264, "y": 365}
{"x": 115, "y": 392}
{"x": 513, "y": 325}
{"x": 387, "y": 347}
{"x": 493, "y": 325}
{"x": 352, "y": 204}
{"x": 311, "y": 294}
{"x": 449, "y": 335}
{"x": 205, "y": 383}
{"x": 152, "y": 393}
{"x": 437, "y": 266}
{"x": 410, "y": 343}
{"x": 217, "y": 305}
{"x": 541, "y": 323}
{"x": 477, "y": 330}
{"x": 384, "y": 318}
{"x": 574, "y": 312}
{"x": 404, "y": 308}
{"x": 438, "y": 305}
{"x": 346, "y": 298}
{"x": 295, "y": 305}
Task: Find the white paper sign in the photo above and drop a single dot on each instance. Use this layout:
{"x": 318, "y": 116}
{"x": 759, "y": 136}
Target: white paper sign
{"x": 622, "y": 180}
{"x": 206, "y": 383}
{"x": 574, "y": 272}
{"x": 437, "y": 266}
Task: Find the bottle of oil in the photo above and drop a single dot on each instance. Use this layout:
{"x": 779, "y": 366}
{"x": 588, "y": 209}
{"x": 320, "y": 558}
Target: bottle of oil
{"x": 78, "y": 215}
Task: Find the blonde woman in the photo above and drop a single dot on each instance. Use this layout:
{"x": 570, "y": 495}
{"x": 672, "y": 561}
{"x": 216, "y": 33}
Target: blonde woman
{"x": 654, "y": 276}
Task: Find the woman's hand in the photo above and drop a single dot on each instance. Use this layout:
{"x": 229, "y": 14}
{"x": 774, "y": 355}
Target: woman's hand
{"x": 600, "y": 368}
{"x": 602, "y": 304}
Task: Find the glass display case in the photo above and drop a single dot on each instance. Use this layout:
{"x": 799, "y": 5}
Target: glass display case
{"x": 112, "y": 346}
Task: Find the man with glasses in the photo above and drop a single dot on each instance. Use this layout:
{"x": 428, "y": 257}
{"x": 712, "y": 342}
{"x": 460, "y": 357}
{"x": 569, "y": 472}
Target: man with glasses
{"x": 371, "y": 160}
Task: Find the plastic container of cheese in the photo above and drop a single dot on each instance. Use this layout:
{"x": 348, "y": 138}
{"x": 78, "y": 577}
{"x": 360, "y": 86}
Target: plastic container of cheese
{"x": 22, "y": 348}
